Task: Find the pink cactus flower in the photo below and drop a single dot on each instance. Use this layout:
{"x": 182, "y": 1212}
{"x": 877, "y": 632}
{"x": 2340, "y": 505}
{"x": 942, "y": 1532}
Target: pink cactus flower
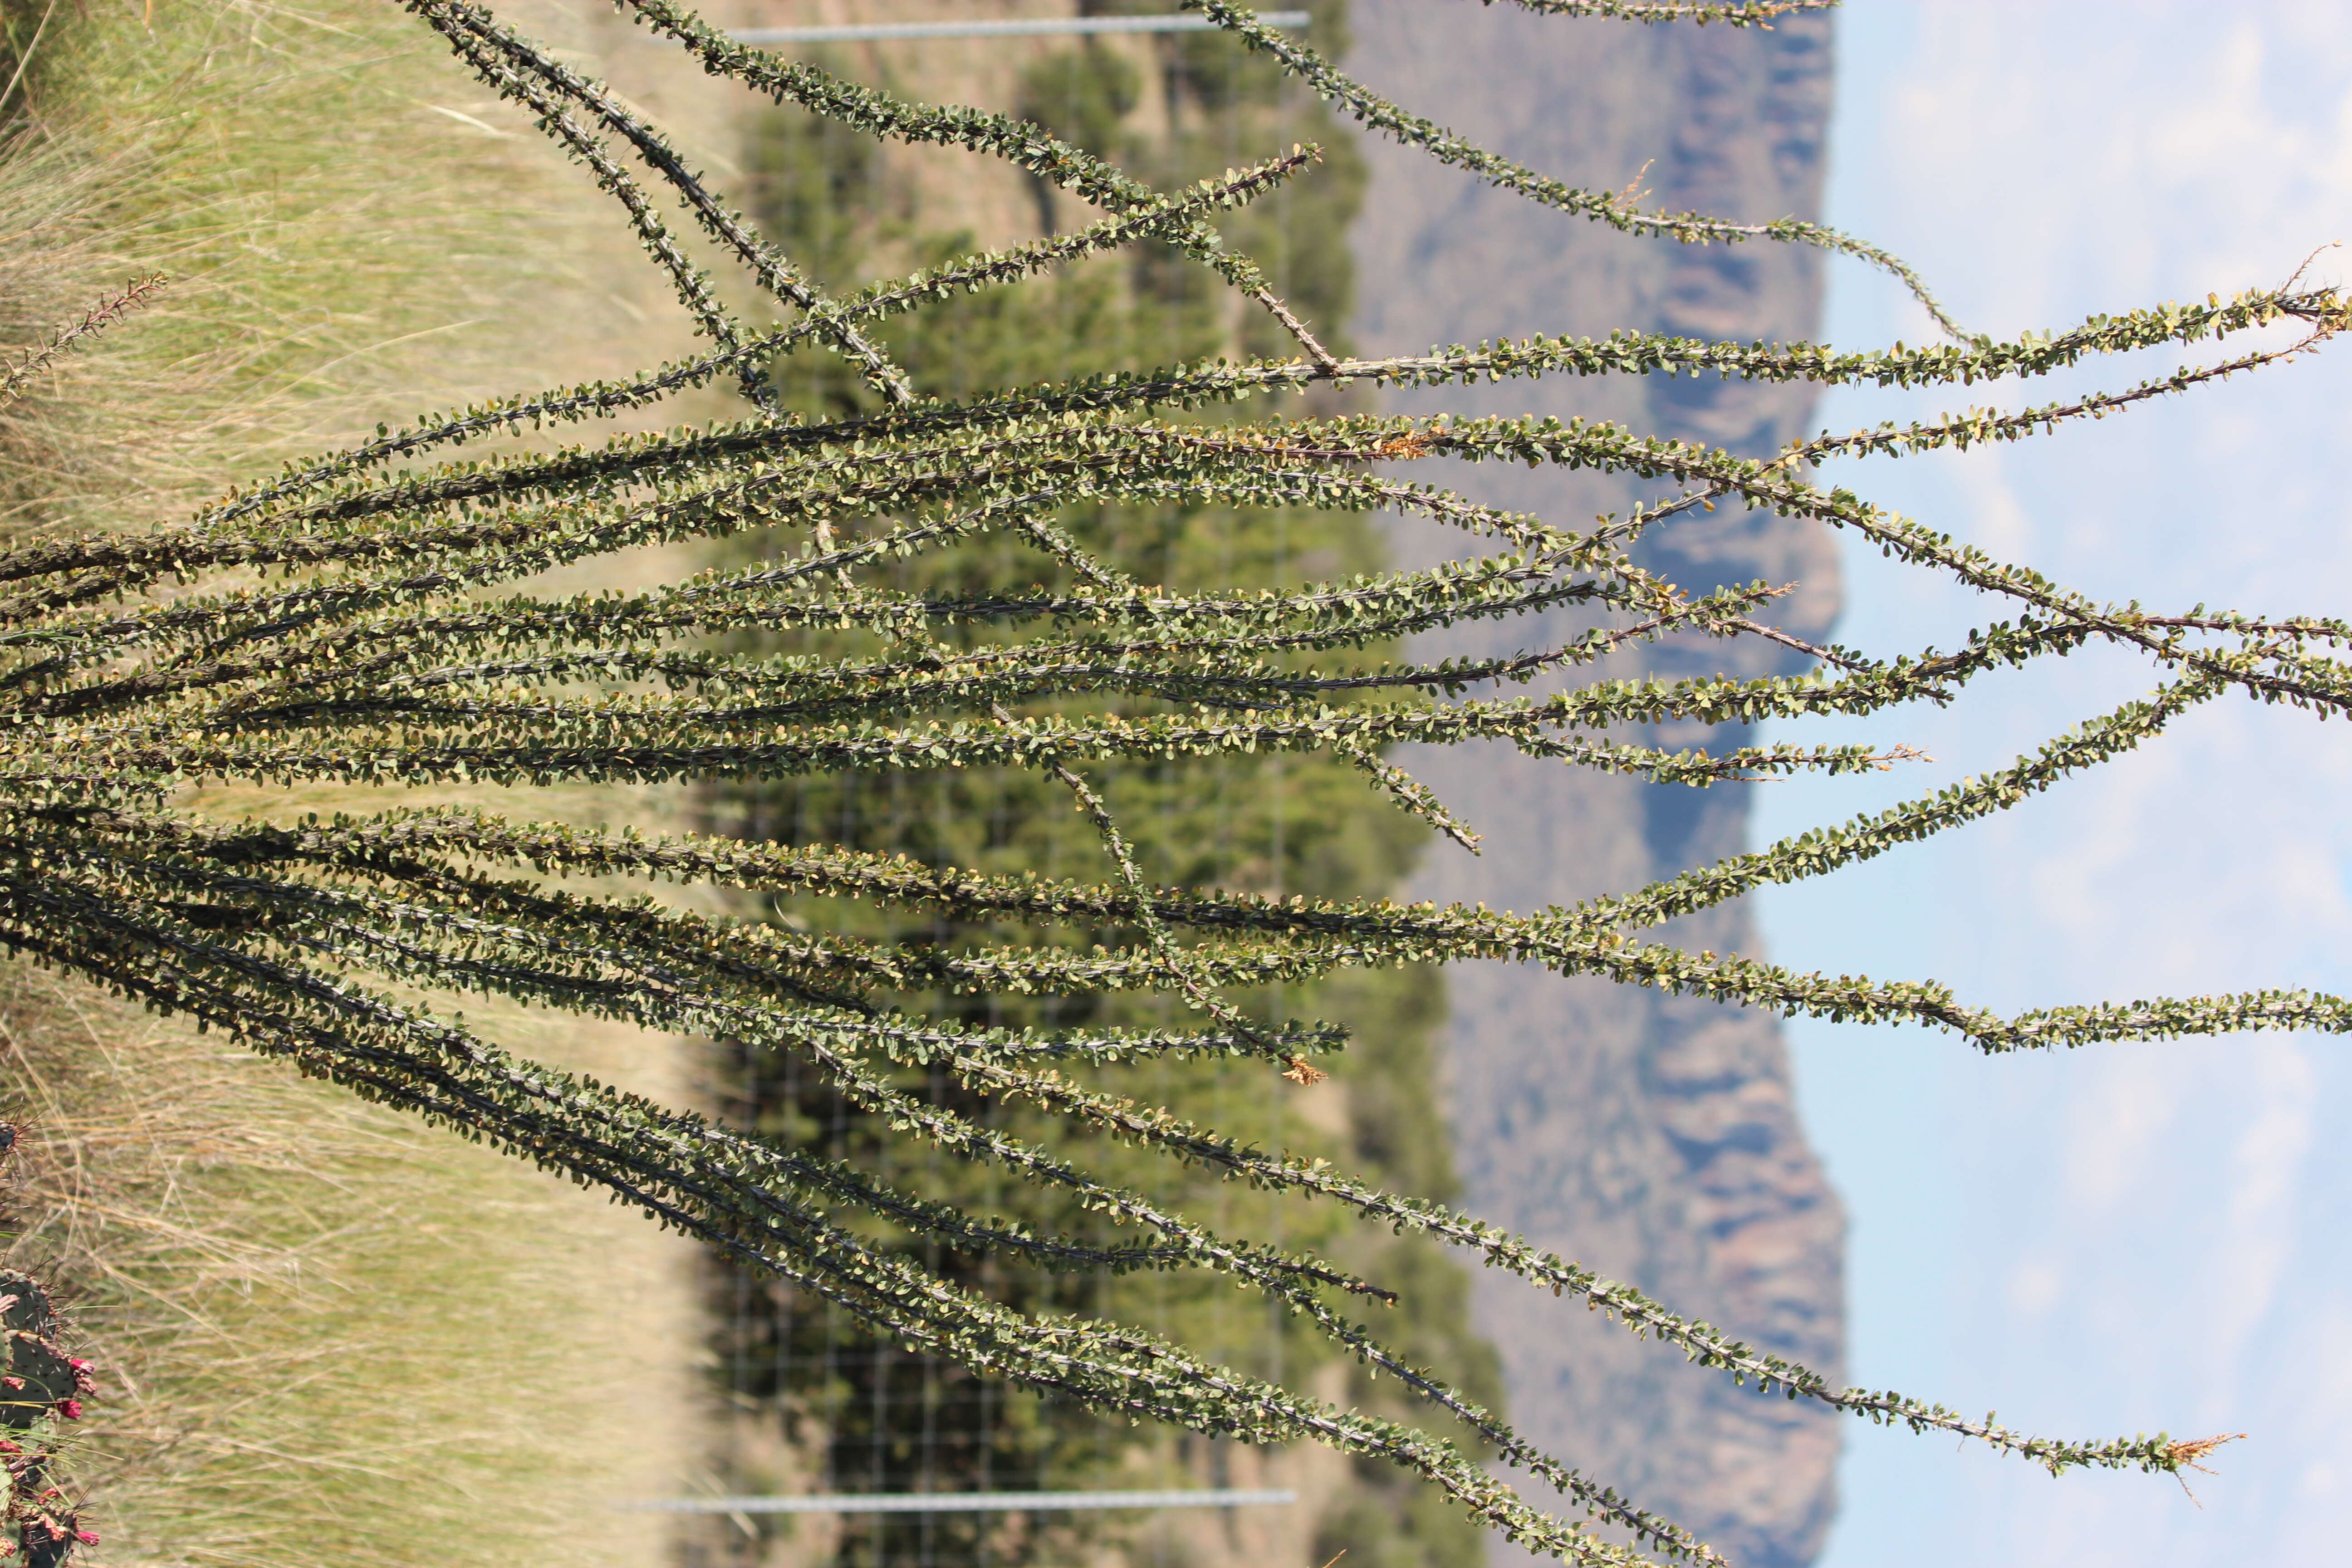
{"x": 69, "y": 1408}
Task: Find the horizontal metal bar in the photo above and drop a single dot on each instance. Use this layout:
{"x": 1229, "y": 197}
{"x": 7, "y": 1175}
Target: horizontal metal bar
{"x": 1006, "y": 28}
{"x": 962, "y": 1502}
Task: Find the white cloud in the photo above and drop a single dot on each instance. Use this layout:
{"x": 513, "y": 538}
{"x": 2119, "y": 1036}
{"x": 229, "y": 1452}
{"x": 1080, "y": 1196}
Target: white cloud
{"x": 2263, "y": 1234}
{"x": 2142, "y": 1235}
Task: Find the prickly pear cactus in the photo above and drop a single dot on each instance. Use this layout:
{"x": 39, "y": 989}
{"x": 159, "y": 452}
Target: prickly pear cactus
{"x": 41, "y": 1390}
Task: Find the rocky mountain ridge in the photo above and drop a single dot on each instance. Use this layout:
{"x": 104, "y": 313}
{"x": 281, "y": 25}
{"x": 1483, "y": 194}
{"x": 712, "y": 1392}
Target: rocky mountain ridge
{"x": 1653, "y": 1138}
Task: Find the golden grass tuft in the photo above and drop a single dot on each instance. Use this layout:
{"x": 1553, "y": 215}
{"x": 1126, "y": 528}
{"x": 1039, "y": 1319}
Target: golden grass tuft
{"x": 326, "y": 1333}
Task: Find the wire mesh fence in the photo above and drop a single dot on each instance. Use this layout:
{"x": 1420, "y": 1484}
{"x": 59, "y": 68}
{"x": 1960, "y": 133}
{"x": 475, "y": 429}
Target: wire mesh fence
{"x": 846, "y": 1449}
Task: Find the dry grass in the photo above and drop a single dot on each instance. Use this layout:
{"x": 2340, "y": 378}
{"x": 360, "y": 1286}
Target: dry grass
{"x": 327, "y": 1335}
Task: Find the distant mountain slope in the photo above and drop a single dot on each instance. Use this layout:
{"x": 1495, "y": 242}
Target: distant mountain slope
{"x": 1652, "y": 1138}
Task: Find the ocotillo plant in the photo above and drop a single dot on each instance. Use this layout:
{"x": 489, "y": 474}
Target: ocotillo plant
{"x": 353, "y": 622}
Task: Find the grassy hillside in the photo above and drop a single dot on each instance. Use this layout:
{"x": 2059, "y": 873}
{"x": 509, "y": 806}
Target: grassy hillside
{"x": 326, "y": 1335}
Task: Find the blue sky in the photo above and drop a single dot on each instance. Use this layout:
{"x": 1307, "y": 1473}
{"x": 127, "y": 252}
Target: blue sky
{"x": 2129, "y": 1237}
